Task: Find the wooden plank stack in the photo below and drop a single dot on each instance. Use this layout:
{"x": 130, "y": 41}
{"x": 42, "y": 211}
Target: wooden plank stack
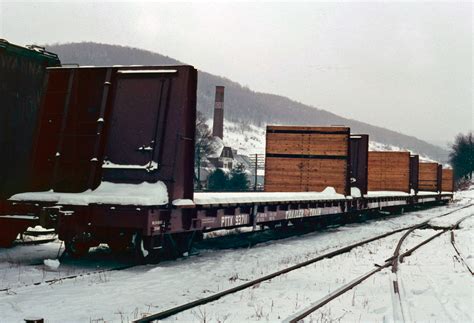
{"x": 447, "y": 182}
{"x": 428, "y": 177}
{"x": 307, "y": 159}
{"x": 389, "y": 171}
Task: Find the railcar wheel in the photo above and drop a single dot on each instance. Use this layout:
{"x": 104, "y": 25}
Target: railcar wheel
{"x": 141, "y": 254}
{"x": 76, "y": 248}
{"x": 120, "y": 244}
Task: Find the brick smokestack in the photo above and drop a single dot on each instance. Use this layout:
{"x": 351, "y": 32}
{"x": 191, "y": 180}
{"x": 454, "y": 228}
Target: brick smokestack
{"x": 218, "y": 123}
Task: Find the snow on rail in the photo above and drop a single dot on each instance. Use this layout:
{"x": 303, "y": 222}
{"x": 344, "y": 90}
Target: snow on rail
{"x": 143, "y": 194}
{"x": 210, "y": 198}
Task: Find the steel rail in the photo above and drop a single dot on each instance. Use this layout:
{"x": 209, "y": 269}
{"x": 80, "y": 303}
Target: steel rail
{"x": 453, "y": 243}
{"x": 181, "y": 308}
{"x": 60, "y": 279}
{"x": 389, "y": 262}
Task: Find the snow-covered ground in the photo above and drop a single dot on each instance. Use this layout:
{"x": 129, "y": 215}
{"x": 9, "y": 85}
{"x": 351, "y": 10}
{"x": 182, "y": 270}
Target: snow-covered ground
{"x": 119, "y": 296}
{"x": 434, "y": 286}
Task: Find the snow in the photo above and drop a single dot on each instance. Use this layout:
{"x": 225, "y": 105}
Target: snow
{"x": 52, "y": 263}
{"x": 146, "y": 71}
{"x": 183, "y": 202}
{"x": 19, "y": 217}
{"x": 143, "y": 194}
{"x": 250, "y": 139}
{"x": 377, "y": 146}
{"x": 150, "y": 166}
{"x": 448, "y": 222}
{"x": 355, "y": 192}
{"x": 421, "y": 193}
{"x": 208, "y": 198}
{"x": 145, "y": 148}
{"x": 435, "y": 286}
{"x": 385, "y": 193}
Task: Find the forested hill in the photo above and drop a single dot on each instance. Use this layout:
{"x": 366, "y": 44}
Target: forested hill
{"x": 242, "y": 105}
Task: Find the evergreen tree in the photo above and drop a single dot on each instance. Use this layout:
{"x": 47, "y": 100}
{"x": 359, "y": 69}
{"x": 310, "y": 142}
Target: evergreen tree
{"x": 218, "y": 180}
{"x": 462, "y": 156}
{"x": 238, "y": 180}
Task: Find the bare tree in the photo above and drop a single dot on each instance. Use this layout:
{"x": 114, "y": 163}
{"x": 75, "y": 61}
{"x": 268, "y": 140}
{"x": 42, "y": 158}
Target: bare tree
{"x": 205, "y": 145}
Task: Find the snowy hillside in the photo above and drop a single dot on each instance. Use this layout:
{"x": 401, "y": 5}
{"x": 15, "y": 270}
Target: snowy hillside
{"x": 250, "y": 139}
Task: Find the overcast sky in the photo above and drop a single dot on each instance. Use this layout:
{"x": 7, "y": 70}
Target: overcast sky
{"x": 406, "y": 66}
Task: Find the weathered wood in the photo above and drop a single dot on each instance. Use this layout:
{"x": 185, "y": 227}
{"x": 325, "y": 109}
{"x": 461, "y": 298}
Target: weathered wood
{"x": 389, "y": 171}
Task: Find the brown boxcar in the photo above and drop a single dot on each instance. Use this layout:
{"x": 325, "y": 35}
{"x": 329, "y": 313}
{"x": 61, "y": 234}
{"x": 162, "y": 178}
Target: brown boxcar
{"x": 302, "y": 159}
{"x": 447, "y": 180}
{"x": 359, "y": 155}
{"x": 22, "y": 80}
{"x": 428, "y": 179}
{"x": 389, "y": 171}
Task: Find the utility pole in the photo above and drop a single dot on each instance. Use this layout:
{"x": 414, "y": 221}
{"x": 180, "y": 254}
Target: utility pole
{"x": 258, "y": 162}
{"x": 256, "y": 167}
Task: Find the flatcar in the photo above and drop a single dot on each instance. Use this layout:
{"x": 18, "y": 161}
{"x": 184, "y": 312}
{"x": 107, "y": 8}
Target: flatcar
{"x": 116, "y": 166}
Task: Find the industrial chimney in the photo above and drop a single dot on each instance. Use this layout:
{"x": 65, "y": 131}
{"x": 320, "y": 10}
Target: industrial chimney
{"x": 218, "y": 123}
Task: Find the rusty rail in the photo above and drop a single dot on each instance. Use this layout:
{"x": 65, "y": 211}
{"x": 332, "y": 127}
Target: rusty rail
{"x": 453, "y": 243}
{"x": 181, "y": 308}
{"x": 389, "y": 262}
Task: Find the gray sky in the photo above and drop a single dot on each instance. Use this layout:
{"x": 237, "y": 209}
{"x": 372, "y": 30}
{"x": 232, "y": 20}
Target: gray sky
{"x": 406, "y": 66}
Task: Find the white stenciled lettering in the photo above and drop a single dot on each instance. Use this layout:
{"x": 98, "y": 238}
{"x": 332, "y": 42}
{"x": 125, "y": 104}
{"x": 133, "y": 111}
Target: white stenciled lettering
{"x": 241, "y": 219}
{"x": 227, "y": 221}
{"x": 293, "y": 214}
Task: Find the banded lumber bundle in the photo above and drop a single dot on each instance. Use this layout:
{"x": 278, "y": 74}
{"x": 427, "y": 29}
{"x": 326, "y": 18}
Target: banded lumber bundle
{"x": 389, "y": 171}
{"x": 428, "y": 177}
{"x": 447, "y": 182}
{"x": 307, "y": 159}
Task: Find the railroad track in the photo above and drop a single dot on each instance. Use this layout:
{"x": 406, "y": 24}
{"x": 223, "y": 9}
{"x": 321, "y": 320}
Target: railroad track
{"x": 60, "y": 279}
{"x": 461, "y": 258}
{"x": 391, "y": 262}
{"x": 128, "y": 266}
{"x": 184, "y": 307}
{"x": 399, "y": 258}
